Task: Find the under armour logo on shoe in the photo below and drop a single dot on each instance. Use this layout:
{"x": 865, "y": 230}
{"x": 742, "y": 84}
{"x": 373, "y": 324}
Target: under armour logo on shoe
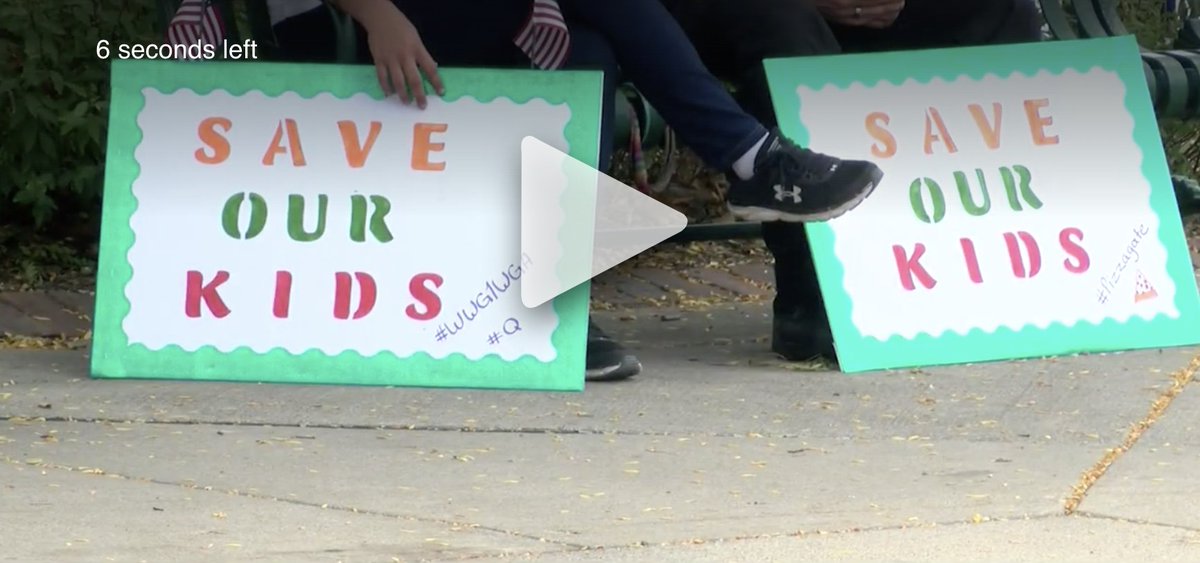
{"x": 794, "y": 193}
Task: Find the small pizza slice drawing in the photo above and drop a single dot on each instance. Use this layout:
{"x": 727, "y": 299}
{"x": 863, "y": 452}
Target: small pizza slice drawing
{"x": 1143, "y": 290}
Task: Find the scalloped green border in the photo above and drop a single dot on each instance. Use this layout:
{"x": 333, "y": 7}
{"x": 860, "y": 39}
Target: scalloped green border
{"x": 858, "y": 353}
{"x": 114, "y": 357}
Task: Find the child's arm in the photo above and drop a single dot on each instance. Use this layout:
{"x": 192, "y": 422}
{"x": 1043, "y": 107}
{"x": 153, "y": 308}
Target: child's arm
{"x": 400, "y": 56}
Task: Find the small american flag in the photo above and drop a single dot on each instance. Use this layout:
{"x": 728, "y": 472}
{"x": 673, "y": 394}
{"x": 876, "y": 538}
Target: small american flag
{"x": 196, "y": 21}
{"x": 545, "y": 37}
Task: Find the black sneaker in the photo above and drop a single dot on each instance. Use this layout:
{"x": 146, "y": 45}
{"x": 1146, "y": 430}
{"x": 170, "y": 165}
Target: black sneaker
{"x": 799, "y": 185}
{"x": 798, "y": 338}
{"x": 607, "y": 360}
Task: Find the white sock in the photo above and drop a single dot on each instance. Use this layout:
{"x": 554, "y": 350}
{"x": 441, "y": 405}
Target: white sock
{"x": 744, "y": 165}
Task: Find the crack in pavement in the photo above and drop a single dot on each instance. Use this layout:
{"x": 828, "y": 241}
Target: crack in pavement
{"x": 454, "y": 526}
{"x": 395, "y": 427}
{"x": 567, "y": 547}
{"x": 438, "y": 428}
{"x": 562, "y": 546}
{"x": 1178, "y": 382}
{"x": 856, "y": 530}
{"x": 796, "y": 534}
{"x": 1099, "y": 516}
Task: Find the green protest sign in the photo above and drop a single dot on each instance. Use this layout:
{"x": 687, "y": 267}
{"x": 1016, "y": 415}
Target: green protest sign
{"x": 285, "y": 223}
{"x": 1026, "y": 208}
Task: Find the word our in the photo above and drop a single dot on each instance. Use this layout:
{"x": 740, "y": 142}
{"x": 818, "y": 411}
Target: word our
{"x": 1017, "y": 186}
{"x": 368, "y": 215}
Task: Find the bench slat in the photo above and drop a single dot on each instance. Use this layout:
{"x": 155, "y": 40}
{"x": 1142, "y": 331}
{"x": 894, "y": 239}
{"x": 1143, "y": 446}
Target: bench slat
{"x": 1091, "y": 25}
{"x": 1056, "y": 17}
{"x": 1190, "y": 60}
{"x": 1171, "y": 73}
{"x": 1107, "y": 12}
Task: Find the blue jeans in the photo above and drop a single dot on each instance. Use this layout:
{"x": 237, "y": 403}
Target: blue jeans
{"x": 634, "y": 40}
{"x": 640, "y": 42}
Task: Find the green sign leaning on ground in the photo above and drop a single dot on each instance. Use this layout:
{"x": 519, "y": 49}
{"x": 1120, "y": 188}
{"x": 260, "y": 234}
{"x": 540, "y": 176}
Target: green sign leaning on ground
{"x": 1026, "y": 208}
{"x": 284, "y": 223}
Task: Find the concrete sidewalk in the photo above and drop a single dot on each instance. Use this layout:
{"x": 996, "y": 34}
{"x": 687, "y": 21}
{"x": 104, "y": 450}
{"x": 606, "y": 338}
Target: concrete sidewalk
{"x": 717, "y": 453}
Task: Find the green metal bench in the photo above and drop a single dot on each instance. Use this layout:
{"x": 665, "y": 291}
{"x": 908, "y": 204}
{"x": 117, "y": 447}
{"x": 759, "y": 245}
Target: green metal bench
{"x": 1173, "y": 76}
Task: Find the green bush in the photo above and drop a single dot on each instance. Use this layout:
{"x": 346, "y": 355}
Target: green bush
{"x": 52, "y": 140}
{"x": 54, "y": 90}
{"x": 1154, "y": 28}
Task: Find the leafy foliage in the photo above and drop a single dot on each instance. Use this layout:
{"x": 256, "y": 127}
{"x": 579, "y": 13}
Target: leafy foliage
{"x": 54, "y": 90}
{"x": 1154, "y": 27}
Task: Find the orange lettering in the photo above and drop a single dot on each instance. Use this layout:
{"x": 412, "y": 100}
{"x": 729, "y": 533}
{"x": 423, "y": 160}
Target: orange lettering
{"x": 990, "y": 131}
{"x": 293, "y": 144}
{"x": 1038, "y": 122}
{"x": 423, "y": 145}
{"x": 934, "y": 119}
{"x": 213, "y": 139}
{"x": 356, "y": 154}
{"x": 874, "y": 123}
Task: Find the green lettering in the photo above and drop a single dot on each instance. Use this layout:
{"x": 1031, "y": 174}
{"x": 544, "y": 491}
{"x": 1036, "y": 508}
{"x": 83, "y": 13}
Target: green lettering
{"x": 295, "y": 221}
{"x": 918, "y": 202}
{"x": 378, "y": 224}
{"x": 1011, "y": 186}
{"x": 968, "y": 200}
{"x": 233, "y": 211}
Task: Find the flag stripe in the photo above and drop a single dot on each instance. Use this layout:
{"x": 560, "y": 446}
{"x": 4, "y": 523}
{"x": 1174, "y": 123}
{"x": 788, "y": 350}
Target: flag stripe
{"x": 547, "y": 14}
{"x": 196, "y": 21}
{"x": 545, "y": 37}
{"x": 534, "y": 47}
{"x": 555, "y": 42}
{"x": 550, "y": 48}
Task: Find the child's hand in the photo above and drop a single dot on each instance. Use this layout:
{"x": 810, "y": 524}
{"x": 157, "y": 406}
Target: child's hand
{"x": 400, "y": 56}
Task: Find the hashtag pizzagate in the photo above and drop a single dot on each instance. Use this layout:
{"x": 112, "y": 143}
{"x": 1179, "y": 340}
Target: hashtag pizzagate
{"x": 492, "y": 290}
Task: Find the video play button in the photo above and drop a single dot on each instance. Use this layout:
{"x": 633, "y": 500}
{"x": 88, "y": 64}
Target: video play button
{"x": 577, "y": 222}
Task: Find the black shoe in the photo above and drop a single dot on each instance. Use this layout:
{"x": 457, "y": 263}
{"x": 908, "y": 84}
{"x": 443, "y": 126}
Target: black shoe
{"x": 799, "y": 338}
{"x": 607, "y": 360}
{"x": 796, "y": 184}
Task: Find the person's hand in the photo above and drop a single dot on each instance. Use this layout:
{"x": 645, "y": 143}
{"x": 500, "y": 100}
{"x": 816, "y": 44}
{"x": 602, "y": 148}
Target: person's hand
{"x": 400, "y": 56}
{"x": 876, "y": 14}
